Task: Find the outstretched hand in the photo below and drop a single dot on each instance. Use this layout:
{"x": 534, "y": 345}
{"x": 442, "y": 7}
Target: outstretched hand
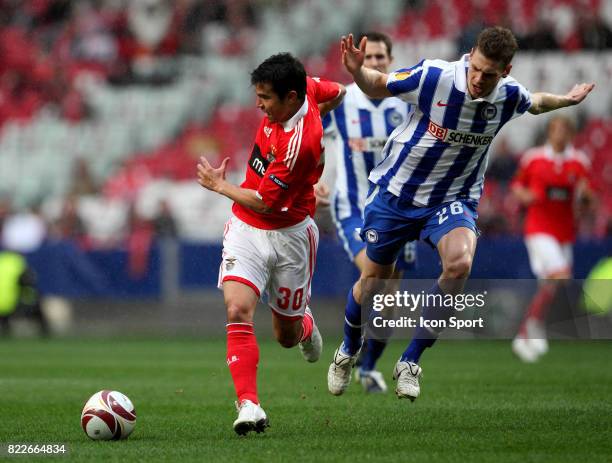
{"x": 209, "y": 177}
{"x": 352, "y": 57}
{"x": 579, "y": 93}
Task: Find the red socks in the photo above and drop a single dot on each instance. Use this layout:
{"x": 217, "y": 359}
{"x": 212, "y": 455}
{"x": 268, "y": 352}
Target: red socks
{"x": 242, "y": 360}
{"x": 307, "y": 322}
{"x": 538, "y": 308}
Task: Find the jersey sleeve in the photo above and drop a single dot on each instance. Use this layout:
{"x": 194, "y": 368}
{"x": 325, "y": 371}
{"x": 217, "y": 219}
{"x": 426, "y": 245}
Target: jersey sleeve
{"x": 521, "y": 177}
{"x": 406, "y": 83}
{"x": 519, "y": 96}
{"x": 284, "y": 178}
{"x": 322, "y": 90}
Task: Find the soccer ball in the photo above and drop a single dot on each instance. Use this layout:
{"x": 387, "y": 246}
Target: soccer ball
{"x": 108, "y": 415}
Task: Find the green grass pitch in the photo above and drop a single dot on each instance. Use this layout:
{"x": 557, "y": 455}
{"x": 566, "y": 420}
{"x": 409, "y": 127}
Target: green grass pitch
{"x": 478, "y": 403}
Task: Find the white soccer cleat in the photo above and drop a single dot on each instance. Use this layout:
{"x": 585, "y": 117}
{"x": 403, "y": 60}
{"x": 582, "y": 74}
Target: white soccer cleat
{"x": 251, "y": 417}
{"x": 536, "y": 335}
{"x": 312, "y": 347}
{"x": 407, "y": 375}
{"x": 372, "y": 381}
{"x": 524, "y": 350}
{"x": 339, "y": 373}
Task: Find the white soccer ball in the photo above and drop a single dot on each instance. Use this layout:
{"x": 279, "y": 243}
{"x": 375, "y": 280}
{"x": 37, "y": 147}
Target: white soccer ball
{"x": 108, "y": 415}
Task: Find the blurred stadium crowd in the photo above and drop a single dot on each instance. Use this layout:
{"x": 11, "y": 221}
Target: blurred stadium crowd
{"x": 105, "y": 105}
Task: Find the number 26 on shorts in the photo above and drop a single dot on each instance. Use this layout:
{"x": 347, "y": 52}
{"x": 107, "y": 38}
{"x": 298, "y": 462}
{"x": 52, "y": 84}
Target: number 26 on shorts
{"x": 455, "y": 209}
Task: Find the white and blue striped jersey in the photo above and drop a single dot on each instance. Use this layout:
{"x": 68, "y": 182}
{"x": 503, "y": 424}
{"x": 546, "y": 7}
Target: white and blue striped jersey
{"x": 364, "y": 126}
{"x": 440, "y": 153}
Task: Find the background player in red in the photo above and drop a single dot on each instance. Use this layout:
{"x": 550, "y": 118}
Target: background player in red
{"x": 551, "y": 181}
{"x": 270, "y": 243}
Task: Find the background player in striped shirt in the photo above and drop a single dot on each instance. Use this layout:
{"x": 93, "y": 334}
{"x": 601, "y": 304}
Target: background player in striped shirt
{"x": 551, "y": 181}
{"x": 362, "y": 126}
{"x": 270, "y": 242}
{"x": 430, "y": 181}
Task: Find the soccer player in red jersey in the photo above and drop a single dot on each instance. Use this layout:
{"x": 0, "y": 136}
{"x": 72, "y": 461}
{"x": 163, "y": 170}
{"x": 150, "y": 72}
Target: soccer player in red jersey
{"x": 551, "y": 180}
{"x": 270, "y": 243}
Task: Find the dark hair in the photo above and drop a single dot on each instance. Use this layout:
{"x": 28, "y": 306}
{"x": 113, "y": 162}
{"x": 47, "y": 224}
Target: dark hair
{"x": 284, "y": 72}
{"x": 379, "y": 37}
{"x": 498, "y": 44}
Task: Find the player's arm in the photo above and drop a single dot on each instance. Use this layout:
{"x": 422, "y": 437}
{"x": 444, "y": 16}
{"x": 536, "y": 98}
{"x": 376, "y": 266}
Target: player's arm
{"x": 585, "y": 196}
{"x": 372, "y": 82}
{"x": 321, "y": 191}
{"x": 523, "y": 194}
{"x": 214, "y": 180}
{"x": 543, "y": 102}
{"x": 332, "y": 104}
{"x": 520, "y": 184}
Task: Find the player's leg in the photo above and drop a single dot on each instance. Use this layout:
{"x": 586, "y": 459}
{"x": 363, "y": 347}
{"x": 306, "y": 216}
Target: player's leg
{"x": 371, "y": 379}
{"x": 551, "y": 262}
{"x": 242, "y": 276}
{"x": 452, "y": 230}
{"x": 456, "y": 250}
{"x": 289, "y": 290}
{"x": 385, "y": 231}
{"x": 369, "y": 283}
{"x": 243, "y": 355}
{"x": 348, "y": 229}
{"x": 374, "y": 344}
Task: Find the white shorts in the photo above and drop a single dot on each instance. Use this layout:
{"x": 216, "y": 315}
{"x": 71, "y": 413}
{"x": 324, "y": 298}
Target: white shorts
{"x": 277, "y": 263}
{"x": 547, "y": 256}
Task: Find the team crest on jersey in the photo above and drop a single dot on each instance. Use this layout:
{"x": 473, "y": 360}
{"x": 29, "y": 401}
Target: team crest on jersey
{"x": 268, "y": 131}
{"x": 371, "y": 236}
{"x": 488, "y": 112}
{"x": 271, "y": 156}
{"x": 229, "y": 263}
{"x": 394, "y": 118}
{"x": 403, "y": 75}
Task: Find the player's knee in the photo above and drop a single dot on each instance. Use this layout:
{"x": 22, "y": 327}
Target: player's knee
{"x": 459, "y": 267}
{"x": 237, "y": 312}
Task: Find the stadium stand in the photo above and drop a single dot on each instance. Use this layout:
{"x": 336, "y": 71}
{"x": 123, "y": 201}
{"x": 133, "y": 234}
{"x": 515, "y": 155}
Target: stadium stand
{"x": 138, "y": 90}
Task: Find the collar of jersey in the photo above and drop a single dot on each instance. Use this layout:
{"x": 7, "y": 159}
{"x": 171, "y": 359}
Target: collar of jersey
{"x": 291, "y": 123}
{"x": 550, "y": 153}
{"x": 461, "y": 68}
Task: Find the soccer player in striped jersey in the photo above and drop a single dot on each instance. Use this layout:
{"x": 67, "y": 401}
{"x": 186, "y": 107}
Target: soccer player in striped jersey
{"x": 430, "y": 181}
{"x": 363, "y": 126}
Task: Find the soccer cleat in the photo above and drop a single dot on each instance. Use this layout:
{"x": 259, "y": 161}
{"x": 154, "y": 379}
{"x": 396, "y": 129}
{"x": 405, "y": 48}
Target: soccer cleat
{"x": 251, "y": 417}
{"x": 339, "y": 373}
{"x": 372, "y": 381}
{"x": 524, "y": 350}
{"x": 536, "y": 335}
{"x": 407, "y": 375}
{"x": 312, "y": 347}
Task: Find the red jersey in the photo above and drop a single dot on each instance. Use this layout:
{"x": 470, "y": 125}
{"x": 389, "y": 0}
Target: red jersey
{"x": 286, "y": 161}
{"x": 553, "y": 178}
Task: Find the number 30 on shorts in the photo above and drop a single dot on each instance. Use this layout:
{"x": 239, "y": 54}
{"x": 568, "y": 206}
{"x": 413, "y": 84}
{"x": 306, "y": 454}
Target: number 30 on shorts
{"x": 283, "y": 302}
{"x": 456, "y": 208}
